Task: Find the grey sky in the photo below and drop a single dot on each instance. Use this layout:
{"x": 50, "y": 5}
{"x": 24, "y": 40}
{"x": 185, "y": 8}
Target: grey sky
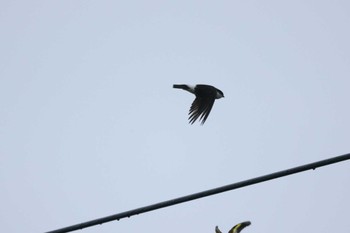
{"x": 90, "y": 125}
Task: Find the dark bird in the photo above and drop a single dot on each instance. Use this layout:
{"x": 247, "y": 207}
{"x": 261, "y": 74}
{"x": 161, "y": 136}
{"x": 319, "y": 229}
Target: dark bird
{"x": 235, "y": 229}
{"x": 204, "y": 101}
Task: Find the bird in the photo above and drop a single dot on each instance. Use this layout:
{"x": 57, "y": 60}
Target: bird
{"x": 204, "y": 101}
{"x": 237, "y": 228}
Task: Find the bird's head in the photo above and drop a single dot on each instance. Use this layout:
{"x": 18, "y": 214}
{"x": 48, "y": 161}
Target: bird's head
{"x": 219, "y": 94}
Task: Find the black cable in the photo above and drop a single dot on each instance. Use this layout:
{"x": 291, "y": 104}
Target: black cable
{"x": 206, "y": 193}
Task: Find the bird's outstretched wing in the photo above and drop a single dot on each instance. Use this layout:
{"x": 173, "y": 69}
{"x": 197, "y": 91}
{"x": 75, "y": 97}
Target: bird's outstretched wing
{"x": 200, "y": 108}
{"x": 239, "y": 227}
{"x": 217, "y": 230}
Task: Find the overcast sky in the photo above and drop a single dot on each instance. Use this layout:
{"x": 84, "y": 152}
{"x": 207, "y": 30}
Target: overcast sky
{"x": 90, "y": 125}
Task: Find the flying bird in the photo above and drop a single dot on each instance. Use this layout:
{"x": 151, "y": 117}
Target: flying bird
{"x": 236, "y": 229}
{"x": 204, "y": 101}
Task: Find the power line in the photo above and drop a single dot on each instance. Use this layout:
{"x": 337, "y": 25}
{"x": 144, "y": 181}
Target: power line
{"x": 206, "y": 193}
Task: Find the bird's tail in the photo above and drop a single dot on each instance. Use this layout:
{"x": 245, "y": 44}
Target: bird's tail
{"x": 181, "y": 86}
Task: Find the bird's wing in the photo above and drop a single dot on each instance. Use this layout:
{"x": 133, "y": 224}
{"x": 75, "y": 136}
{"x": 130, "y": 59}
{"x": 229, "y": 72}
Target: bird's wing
{"x": 194, "y": 110}
{"x": 200, "y": 107}
{"x": 239, "y": 227}
{"x": 217, "y": 230}
{"x": 206, "y": 109}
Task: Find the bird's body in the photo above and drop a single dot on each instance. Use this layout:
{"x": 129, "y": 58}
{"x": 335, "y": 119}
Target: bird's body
{"x": 237, "y": 228}
{"x": 204, "y": 101}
